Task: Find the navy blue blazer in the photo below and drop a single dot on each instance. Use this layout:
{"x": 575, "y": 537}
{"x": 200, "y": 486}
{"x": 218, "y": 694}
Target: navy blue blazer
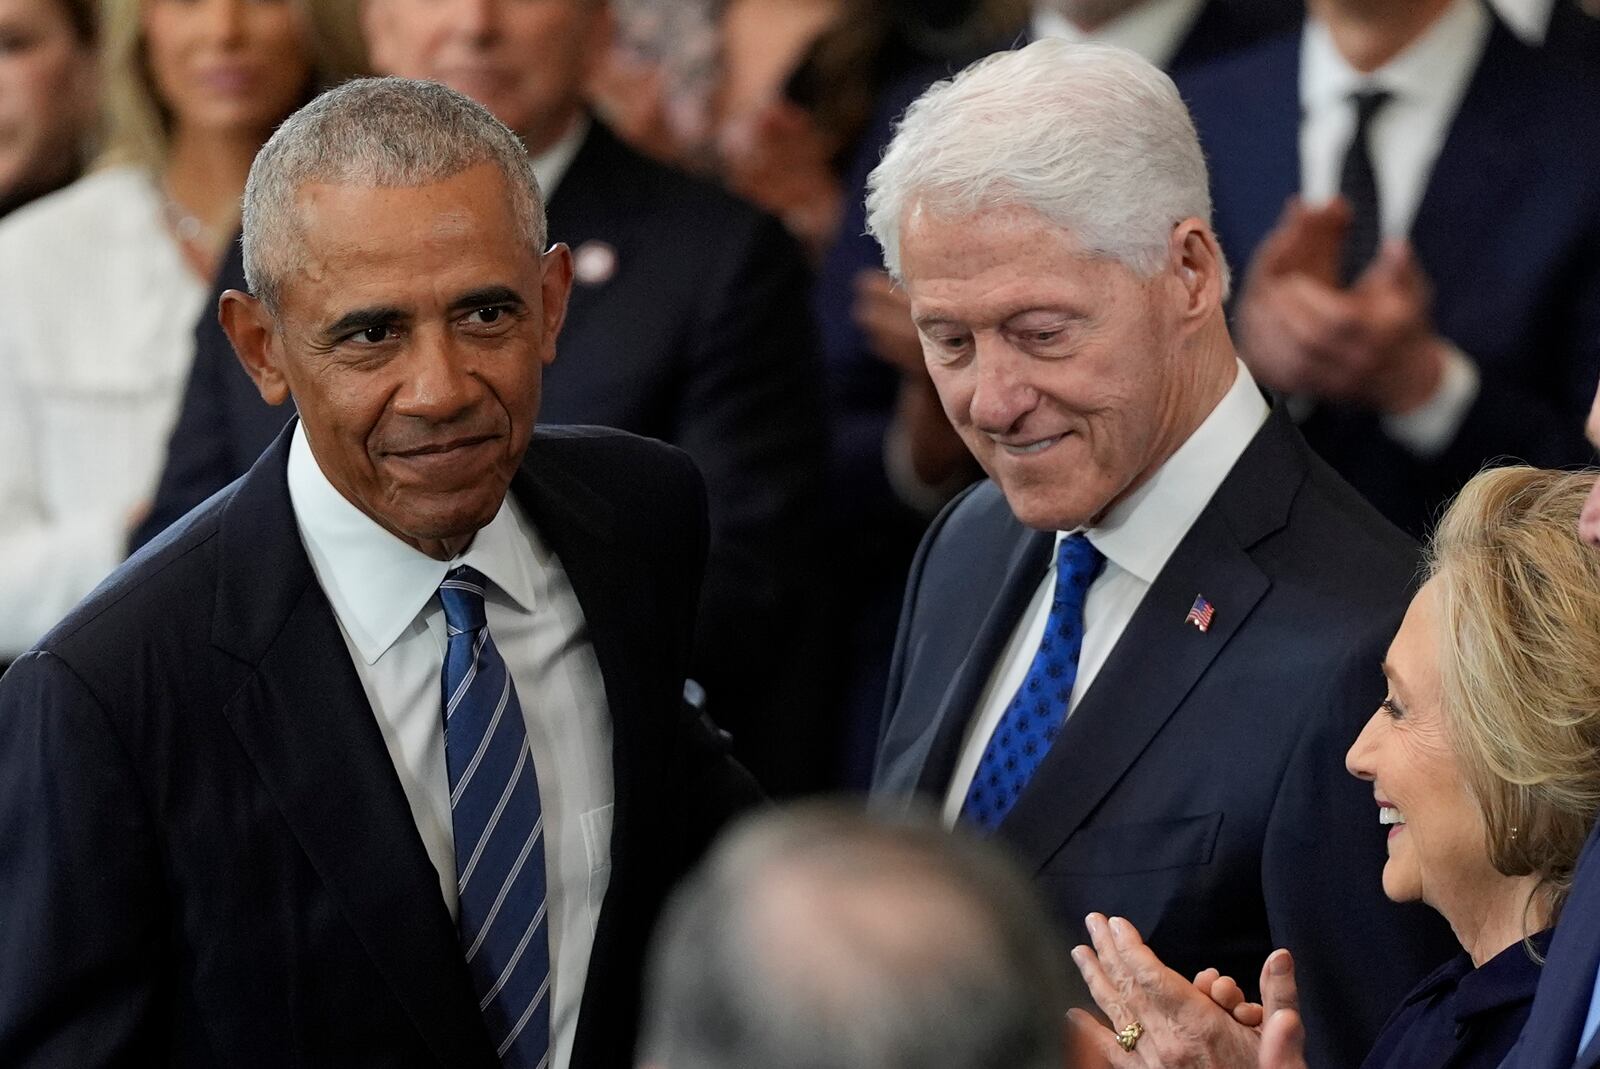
{"x": 1508, "y": 231}
{"x": 206, "y": 857}
{"x": 1199, "y": 788}
{"x": 1462, "y": 1017}
{"x": 701, "y": 337}
{"x": 1561, "y": 1004}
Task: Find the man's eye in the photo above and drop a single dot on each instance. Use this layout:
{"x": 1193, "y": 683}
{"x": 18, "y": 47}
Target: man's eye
{"x": 485, "y": 317}
{"x": 372, "y": 335}
{"x": 948, "y": 348}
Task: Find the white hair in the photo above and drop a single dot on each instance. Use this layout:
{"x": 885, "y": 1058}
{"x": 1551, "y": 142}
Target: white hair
{"x": 1093, "y": 138}
{"x": 381, "y": 133}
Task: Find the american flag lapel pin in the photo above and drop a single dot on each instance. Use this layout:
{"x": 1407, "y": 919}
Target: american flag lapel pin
{"x": 1200, "y": 614}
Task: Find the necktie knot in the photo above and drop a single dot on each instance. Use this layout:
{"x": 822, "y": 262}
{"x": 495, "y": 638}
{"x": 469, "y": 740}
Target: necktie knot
{"x": 461, "y": 594}
{"x": 1368, "y": 102}
{"x": 1077, "y": 564}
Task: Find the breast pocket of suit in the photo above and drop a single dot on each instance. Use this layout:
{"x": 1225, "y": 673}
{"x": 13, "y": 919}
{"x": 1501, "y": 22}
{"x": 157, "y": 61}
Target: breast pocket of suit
{"x": 597, "y": 845}
{"x": 1145, "y": 846}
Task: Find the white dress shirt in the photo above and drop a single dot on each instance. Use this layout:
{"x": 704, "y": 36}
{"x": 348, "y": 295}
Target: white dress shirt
{"x": 1427, "y": 82}
{"x": 1136, "y": 537}
{"x": 1154, "y": 29}
{"x": 97, "y": 314}
{"x": 385, "y": 596}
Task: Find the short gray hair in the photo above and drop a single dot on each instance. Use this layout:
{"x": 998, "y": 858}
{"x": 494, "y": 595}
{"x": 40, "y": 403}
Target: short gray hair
{"x": 375, "y": 132}
{"x": 817, "y": 937}
{"x": 1093, "y": 138}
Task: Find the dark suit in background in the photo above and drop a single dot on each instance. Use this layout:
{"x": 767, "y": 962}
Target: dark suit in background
{"x": 1199, "y": 787}
{"x": 1508, "y": 231}
{"x": 206, "y": 856}
{"x": 874, "y": 532}
{"x": 701, "y": 338}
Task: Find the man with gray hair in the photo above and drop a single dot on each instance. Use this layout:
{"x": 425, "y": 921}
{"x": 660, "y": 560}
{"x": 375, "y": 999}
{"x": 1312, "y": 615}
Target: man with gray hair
{"x": 1137, "y": 653}
{"x": 819, "y": 937}
{"x": 381, "y": 759}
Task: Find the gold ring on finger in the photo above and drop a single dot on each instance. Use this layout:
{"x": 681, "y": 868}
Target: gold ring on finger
{"x": 1128, "y": 1038}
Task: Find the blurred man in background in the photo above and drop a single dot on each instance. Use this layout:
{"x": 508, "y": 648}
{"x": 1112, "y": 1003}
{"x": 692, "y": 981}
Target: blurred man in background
{"x": 818, "y": 936}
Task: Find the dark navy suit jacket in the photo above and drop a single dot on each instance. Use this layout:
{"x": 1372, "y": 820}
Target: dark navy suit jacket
{"x": 701, "y": 338}
{"x": 206, "y": 857}
{"x": 1561, "y": 1004}
{"x": 1199, "y": 787}
{"x": 1508, "y": 231}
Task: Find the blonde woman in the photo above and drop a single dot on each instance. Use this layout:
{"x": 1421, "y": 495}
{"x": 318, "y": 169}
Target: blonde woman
{"x": 1484, "y": 760}
{"x": 101, "y": 282}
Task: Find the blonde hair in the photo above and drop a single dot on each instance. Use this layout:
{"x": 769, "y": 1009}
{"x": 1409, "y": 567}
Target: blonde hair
{"x": 1519, "y": 598}
{"x": 137, "y": 124}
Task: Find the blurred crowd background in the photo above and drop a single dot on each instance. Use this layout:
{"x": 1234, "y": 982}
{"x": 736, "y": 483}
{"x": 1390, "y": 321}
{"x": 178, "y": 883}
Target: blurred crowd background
{"x": 707, "y": 160}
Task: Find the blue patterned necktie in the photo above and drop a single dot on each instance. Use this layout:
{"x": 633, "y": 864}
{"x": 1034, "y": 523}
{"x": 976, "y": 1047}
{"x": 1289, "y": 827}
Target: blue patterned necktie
{"x": 499, "y": 832}
{"x": 1039, "y": 708}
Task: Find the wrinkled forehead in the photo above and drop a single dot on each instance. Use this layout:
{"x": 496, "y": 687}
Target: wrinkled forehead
{"x": 352, "y": 242}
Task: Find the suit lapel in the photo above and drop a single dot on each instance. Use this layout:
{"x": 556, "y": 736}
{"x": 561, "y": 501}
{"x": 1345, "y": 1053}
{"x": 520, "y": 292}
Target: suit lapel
{"x": 1160, "y": 657}
{"x": 1026, "y": 564}
{"x": 305, "y": 723}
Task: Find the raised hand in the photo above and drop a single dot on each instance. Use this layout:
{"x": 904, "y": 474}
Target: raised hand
{"x": 1163, "y": 1020}
{"x": 1372, "y": 344}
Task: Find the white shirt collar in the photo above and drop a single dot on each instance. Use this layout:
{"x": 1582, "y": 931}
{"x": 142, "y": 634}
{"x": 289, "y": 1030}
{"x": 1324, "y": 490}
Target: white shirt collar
{"x": 550, "y": 166}
{"x": 376, "y": 583}
{"x": 1143, "y": 530}
{"x": 1431, "y": 72}
{"x": 1530, "y": 19}
{"x": 1153, "y": 29}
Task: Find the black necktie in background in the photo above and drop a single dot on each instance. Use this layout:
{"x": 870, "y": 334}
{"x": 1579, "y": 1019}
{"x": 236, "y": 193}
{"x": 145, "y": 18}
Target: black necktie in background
{"x": 1359, "y": 186}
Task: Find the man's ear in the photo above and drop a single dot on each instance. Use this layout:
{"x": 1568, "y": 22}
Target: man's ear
{"x": 250, "y": 328}
{"x": 555, "y": 287}
{"x": 1200, "y": 268}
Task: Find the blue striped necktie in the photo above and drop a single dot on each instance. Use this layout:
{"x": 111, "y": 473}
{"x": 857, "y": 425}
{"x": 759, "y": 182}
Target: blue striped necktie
{"x": 1030, "y": 723}
{"x": 499, "y": 832}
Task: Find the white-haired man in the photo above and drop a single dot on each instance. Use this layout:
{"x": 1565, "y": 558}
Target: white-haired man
{"x": 1139, "y": 651}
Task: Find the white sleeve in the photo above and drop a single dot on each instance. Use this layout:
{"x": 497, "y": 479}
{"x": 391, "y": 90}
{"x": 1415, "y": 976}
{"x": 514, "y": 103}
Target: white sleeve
{"x": 1429, "y": 429}
{"x": 47, "y": 563}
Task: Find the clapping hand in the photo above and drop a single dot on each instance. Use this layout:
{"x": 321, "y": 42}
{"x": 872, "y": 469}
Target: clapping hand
{"x": 1372, "y": 344}
{"x": 1167, "y": 1022}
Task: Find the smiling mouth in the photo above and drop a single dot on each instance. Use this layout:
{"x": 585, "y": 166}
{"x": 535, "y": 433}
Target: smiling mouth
{"x": 1030, "y": 448}
{"x": 433, "y": 449}
{"x": 1390, "y": 815}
